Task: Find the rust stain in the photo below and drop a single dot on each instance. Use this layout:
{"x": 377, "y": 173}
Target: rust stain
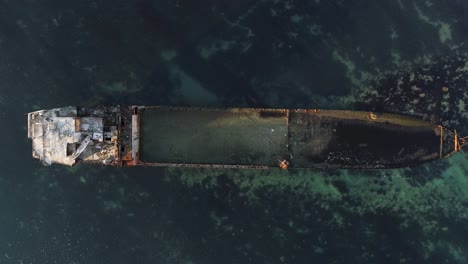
{"x": 78, "y": 124}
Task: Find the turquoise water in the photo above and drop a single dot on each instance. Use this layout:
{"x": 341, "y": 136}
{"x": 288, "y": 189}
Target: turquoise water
{"x": 401, "y": 56}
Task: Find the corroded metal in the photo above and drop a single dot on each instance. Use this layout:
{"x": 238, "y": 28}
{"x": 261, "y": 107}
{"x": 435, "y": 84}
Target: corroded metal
{"x": 236, "y": 138}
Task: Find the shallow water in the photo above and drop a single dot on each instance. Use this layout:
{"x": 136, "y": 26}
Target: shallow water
{"x": 402, "y": 56}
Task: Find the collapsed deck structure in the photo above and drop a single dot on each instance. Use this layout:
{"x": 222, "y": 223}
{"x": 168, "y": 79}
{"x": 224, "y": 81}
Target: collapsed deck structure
{"x": 235, "y": 137}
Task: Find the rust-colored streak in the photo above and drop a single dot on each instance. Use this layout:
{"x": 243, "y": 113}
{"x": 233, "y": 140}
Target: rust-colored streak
{"x": 456, "y": 143}
{"x": 127, "y": 156}
{"x": 78, "y": 124}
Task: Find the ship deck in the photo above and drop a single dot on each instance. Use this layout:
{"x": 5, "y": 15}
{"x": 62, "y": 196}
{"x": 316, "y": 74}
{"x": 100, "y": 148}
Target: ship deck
{"x": 306, "y": 138}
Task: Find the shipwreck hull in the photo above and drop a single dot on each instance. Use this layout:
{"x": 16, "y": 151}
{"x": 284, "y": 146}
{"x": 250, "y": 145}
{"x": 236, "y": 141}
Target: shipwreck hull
{"x": 244, "y": 138}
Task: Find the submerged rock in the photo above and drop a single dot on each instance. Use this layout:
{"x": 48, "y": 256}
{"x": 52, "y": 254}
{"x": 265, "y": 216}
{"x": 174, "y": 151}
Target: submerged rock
{"x": 435, "y": 91}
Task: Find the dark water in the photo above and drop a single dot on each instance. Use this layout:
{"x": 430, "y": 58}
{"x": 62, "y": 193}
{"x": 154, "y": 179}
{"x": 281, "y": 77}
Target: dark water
{"x": 394, "y": 56}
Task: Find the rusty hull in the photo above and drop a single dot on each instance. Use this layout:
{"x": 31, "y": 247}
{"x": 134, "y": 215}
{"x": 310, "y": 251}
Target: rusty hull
{"x": 236, "y": 137}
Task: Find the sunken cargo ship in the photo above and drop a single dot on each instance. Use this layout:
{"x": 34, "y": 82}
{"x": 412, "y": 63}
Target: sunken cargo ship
{"x": 235, "y": 138}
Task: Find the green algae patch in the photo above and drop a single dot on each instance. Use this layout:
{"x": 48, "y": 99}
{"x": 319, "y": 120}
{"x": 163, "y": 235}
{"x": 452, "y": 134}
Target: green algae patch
{"x": 305, "y": 182}
{"x": 445, "y": 32}
{"x": 352, "y": 192}
{"x": 82, "y": 179}
{"x": 189, "y": 90}
{"x": 443, "y": 29}
{"x": 168, "y": 54}
{"x": 347, "y": 63}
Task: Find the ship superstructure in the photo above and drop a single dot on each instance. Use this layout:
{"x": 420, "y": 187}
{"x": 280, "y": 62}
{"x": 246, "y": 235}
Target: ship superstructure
{"x": 70, "y": 134}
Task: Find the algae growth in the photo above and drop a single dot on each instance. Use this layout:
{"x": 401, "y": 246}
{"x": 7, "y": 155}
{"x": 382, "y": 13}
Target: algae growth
{"x": 312, "y": 203}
